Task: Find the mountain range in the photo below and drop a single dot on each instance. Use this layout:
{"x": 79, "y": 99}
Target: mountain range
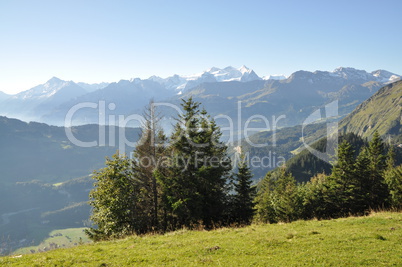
{"x": 294, "y": 97}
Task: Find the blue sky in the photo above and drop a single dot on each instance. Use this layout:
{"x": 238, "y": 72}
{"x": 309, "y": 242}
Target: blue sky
{"x": 95, "y": 41}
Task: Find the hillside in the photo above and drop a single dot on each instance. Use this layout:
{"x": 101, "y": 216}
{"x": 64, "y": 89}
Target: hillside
{"x": 36, "y": 151}
{"x": 381, "y": 112}
{"x": 373, "y": 240}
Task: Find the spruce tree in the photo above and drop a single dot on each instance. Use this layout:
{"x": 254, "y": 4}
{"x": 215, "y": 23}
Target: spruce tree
{"x": 363, "y": 185}
{"x": 343, "y": 184}
{"x": 244, "y": 194}
{"x": 278, "y": 198}
{"x": 393, "y": 178}
{"x": 194, "y": 187}
{"x": 146, "y": 163}
{"x": 378, "y": 188}
{"x": 391, "y": 158}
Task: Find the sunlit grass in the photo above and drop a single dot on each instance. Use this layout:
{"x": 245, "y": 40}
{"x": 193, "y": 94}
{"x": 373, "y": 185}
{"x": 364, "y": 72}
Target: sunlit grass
{"x": 372, "y": 240}
{"x": 64, "y": 238}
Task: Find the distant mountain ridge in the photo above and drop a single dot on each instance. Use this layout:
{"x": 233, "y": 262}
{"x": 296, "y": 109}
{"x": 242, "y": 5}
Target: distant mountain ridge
{"x": 180, "y": 83}
{"x": 219, "y": 89}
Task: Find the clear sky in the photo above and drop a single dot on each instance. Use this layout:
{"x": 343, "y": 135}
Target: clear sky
{"x": 95, "y": 41}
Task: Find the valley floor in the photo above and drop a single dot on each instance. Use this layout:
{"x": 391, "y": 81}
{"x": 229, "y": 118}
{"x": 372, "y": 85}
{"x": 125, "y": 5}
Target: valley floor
{"x": 372, "y": 240}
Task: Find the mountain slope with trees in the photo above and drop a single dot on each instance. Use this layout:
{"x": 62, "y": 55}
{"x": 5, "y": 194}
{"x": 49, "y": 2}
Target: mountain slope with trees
{"x": 381, "y": 112}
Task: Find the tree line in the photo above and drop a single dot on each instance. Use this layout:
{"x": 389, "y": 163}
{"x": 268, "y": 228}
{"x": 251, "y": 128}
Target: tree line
{"x": 360, "y": 182}
{"x": 187, "y": 180}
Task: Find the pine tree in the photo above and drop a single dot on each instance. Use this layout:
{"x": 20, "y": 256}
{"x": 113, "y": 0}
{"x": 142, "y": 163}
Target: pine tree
{"x": 146, "y": 162}
{"x": 393, "y": 178}
{"x": 363, "y": 185}
{"x": 391, "y": 158}
{"x": 265, "y": 211}
{"x": 195, "y": 184}
{"x": 278, "y": 198}
{"x": 244, "y": 194}
{"x": 378, "y": 188}
{"x": 343, "y": 184}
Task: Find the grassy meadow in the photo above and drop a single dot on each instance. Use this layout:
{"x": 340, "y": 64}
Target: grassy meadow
{"x": 374, "y": 240}
{"x": 64, "y": 238}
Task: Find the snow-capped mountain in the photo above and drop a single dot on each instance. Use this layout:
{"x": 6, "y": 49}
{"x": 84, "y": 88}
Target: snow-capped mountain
{"x": 381, "y": 76}
{"x": 28, "y": 105}
{"x": 92, "y": 87}
{"x": 180, "y": 83}
{"x": 386, "y": 76}
{"x": 275, "y": 77}
{"x": 342, "y": 74}
{"x": 51, "y": 88}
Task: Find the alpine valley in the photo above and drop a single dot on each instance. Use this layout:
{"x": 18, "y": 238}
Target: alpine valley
{"x": 45, "y": 177}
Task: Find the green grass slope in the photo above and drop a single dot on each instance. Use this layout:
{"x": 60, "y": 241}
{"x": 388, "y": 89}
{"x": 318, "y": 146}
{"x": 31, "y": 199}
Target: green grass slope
{"x": 381, "y": 112}
{"x": 373, "y": 240}
{"x": 58, "y": 238}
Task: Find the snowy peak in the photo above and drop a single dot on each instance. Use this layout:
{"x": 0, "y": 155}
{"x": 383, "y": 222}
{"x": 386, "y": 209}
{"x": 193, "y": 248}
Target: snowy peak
{"x": 352, "y": 74}
{"x": 243, "y": 69}
{"x": 230, "y": 73}
{"x": 214, "y": 74}
{"x": 381, "y": 76}
{"x": 347, "y": 74}
{"x": 92, "y": 87}
{"x": 386, "y": 76}
{"x": 277, "y": 77}
{"x": 49, "y": 89}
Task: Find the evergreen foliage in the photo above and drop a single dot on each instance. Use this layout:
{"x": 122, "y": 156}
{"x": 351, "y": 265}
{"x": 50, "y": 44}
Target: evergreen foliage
{"x": 184, "y": 181}
{"x": 147, "y": 154}
{"x": 195, "y": 183}
{"x": 278, "y": 198}
{"x": 378, "y": 191}
{"x": 169, "y": 184}
{"x": 244, "y": 194}
{"x": 393, "y": 178}
{"x": 357, "y": 184}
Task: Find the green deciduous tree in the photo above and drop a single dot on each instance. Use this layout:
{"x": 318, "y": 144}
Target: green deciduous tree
{"x": 113, "y": 200}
